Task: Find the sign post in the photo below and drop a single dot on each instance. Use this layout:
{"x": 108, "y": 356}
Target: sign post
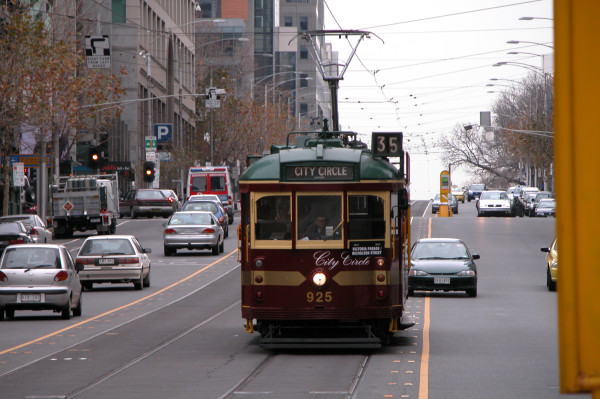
{"x": 445, "y": 210}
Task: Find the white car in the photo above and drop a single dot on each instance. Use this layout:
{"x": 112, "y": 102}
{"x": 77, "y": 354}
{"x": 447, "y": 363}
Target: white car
{"x": 494, "y": 203}
{"x": 114, "y": 259}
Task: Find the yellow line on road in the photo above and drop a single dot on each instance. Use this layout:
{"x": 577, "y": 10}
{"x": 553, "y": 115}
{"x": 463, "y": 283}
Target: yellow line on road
{"x": 116, "y": 309}
{"x": 424, "y": 373}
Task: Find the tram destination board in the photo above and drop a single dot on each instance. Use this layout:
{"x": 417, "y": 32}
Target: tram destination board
{"x": 387, "y": 144}
{"x": 320, "y": 172}
{"x": 366, "y": 248}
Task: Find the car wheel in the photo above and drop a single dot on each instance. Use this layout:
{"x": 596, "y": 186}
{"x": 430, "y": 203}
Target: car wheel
{"x": 472, "y": 292}
{"x": 10, "y": 313}
{"x": 77, "y": 310}
{"x": 169, "y": 251}
{"x": 133, "y": 214}
{"x": 147, "y": 280}
{"x": 87, "y": 286}
{"x": 479, "y": 214}
{"x": 139, "y": 284}
{"x": 1, "y": 314}
{"x": 66, "y": 311}
{"x": 231, "y": 219}
{"x": 411, "y": 292}
{"x": 215, "y": 249}
{"x": 549, "y": 283}
{"x": 226, "y": 231}
{"x": 222, "y": 247}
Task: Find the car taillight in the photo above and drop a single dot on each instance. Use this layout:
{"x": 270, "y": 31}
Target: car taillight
{"x": 61, "y": 276}
{"x": 209, "y": 231}
{"x": 170, "y": 231}
{"x": 170, "y": 199}
{"x": 129, "y": 260}
{"x": 17, "y": 241}
{"x": 85, "y": 261}
{"x": 3, "y": 277}
{"x": 229, "y": 201}
{"x": 34, "y": 232}
{"x": 221, "y": 220}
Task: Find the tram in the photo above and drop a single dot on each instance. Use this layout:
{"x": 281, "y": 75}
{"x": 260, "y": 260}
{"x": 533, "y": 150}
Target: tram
{"x": 324, "y": 240}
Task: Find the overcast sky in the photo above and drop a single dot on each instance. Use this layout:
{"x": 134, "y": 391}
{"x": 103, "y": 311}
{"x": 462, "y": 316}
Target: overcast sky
{"x": 427, "y": 72}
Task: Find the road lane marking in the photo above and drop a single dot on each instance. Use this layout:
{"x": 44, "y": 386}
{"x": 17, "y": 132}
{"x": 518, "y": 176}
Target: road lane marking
{"x": 424, "y": 372}
{"x": 95, "y": 318}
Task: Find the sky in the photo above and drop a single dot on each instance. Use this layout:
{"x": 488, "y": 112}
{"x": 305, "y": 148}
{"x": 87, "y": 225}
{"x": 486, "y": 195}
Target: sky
{"x": 425, "y": 70}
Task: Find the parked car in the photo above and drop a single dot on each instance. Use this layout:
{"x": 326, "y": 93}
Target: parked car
{"x": 39, "y": 277}
{"x": 146, "y": 202}
{"x": 546, "y": 207}
{"x": 459, "y": 194}
{"x": 13, "y": 233}
{"x": 452, "y": 202}
{"x": 494, "y": 202}
{"x": 536, "y": 197}
{"x": 551, "y": 265}
{"x": 510, "y": 192}
{"x": 210, "y": 206}
{"x": 38, "y": 231}
{"x": 443, "y": 264}
{"x": 520, "y": 200}
{"x": 193, "y": 230}
{"x": 171, "y": 194}
{"x": 475, "y": 191}
{"x": 114, "y": 259}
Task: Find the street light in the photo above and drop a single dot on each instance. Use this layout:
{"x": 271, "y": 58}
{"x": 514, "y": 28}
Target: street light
{"x": 530, "y": 18}
{"x": 536, "y": 43}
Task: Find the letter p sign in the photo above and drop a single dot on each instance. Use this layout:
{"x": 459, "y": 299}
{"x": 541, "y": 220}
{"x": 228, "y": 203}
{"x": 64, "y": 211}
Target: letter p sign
{"x": 163, "y": 132}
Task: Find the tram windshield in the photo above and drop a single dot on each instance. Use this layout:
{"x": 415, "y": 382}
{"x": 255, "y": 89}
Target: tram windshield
{"x": 319, "y": 217}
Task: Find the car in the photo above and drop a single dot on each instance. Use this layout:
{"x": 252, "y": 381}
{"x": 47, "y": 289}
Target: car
{"x": 551, "y": 265}
{"x": 38, "y": 231}
{"x": 147, "y": 202}
{"x": 452, "y": 202}
{"x": 520, "y": 200}
{"x": 475, "y": 191}
{"x": 535, "y": 200}
{"x": 546, "y": 207}
{"x": 39, "y": 277}
{"x": 458, "y": 193}
{"x": 213, "y": 197}
{"x": 193, "y": 230}
{"x": 13, "y": 233}
{"x": 114, "y": 259}
{"x": 442, "y": 264}
{"x": 210, "y": 206}
{"x": 511, "y": 192}
{"x": 171, "y": 194}
{"x": 494, "y": 202}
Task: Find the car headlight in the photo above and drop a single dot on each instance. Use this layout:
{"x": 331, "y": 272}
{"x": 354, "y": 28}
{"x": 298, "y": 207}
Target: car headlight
{"x": 466, "y": 273}
{"x": 414, "y": 272}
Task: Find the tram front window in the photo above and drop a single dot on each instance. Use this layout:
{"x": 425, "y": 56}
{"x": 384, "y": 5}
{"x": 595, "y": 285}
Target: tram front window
{"x": 366, "y": 217}
{"x": 273, "y": 218}
{"x": 319, "y": 217}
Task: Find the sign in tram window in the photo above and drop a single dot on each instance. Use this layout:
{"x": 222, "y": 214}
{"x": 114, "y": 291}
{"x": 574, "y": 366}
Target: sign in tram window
{"x": 319, "y": 217}
{"x": 366, "y": 217}
{"x": 273, "y": 218}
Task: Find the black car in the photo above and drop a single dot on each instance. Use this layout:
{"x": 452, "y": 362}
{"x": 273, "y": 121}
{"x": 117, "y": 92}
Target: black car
{"x": 13, "y": 233}
{"x": 147, "y": 202}
{"x": 475, "y": 191}
{"x": 442, "y": 264}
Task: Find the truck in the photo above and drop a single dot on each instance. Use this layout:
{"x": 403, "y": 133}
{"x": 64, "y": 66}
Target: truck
{"x": 85, "y": 203}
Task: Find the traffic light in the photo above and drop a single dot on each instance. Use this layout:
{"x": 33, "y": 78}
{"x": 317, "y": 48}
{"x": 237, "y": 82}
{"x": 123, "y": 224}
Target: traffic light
{"x": 148, "y": 172}
{"x": 94, "y": 158}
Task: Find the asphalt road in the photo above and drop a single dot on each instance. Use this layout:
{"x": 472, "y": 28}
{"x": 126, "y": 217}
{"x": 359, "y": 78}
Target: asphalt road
{"x": 184, "y": 338}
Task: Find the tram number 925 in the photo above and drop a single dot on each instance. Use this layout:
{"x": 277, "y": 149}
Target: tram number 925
{"x": 319, "y": 297}
{"x": 387, "y": 144}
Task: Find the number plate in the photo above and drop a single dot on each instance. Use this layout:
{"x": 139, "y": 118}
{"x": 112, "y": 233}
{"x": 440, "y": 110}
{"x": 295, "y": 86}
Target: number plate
{"x": 106, "y": 261}
{"x": 95, "y": 220}
{"x": 441, "y": 280}
{"x": 155, "y": 209}
{"x": 31, "y": 298}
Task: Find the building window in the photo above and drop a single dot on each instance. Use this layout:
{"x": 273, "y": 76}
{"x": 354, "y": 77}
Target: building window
{"x": 303, "y": 109}
{"x": 303, "y": 23}
{"x": 118, "y": 12}
{"x": 303, "y": 53}
{"x": 288, "y": 21}
{"x": 303, "y": 80}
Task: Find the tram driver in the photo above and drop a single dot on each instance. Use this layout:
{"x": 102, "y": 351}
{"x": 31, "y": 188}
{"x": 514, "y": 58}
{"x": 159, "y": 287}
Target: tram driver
{"x": 320, "y": 230}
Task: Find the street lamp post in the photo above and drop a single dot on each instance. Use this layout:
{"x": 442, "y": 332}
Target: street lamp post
{"x": 523, "y": 41}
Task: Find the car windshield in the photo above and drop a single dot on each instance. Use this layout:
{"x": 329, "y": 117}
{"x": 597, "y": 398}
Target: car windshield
{"x": 9, "y": 228}
{"x": 114, "y": 246}
{"x": 487, "y": 195}
{"x": 25, "y": 220}
{"x": 190, "y": 218}
{"x": 547, "y": 203}
{"x": 31, "y": 258}
{"x": 150, "y": 194}
{"x": 201, "y": 206}
{"x": 440, "y": 250}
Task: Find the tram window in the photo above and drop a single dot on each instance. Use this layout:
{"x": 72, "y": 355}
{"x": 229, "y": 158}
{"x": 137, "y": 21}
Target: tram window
{"x": 366, "y": 217}
{"x": 319, "y": 217}
{"x": 273, "y": 218}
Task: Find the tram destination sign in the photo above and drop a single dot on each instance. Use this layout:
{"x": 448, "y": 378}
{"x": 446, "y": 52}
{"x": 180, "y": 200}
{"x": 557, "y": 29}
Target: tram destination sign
{"x": 319, "y": 172}
{"x": 387, "y": 144}
{"x": 366, "y": 248}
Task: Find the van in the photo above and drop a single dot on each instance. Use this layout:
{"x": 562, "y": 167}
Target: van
{"x": 212, "y": 180}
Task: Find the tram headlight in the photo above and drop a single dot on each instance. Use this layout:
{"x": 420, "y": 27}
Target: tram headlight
{"x": 319, "y": 279}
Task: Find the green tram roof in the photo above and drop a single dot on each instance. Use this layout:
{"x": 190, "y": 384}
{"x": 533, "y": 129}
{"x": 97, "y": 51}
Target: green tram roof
{"x": 364, "y": 166}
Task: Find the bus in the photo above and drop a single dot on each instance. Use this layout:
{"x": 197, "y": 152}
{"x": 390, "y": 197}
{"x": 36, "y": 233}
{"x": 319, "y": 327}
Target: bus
{"x": 324, "y": 240}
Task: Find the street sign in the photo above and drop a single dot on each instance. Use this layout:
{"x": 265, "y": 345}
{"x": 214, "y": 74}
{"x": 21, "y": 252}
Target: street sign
{"x": 150, "y": 156}
{"x": 97, "y": 52}
{"x": 163, "y": 132}
{"x": 212, "y": 98}
{"x": 150, "y": 143}
{"x": 18, "y": 174}
{"x": 29, "y": 160}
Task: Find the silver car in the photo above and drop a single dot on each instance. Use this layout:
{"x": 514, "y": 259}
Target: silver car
{"x": 114, "y": 259}
{"x": 193, "y": 230}
{"x": 38, "y": 231}
{"x": 39, "y": 277}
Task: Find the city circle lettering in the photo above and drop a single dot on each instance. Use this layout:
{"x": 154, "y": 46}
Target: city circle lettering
{"x": 324, "y": 259}
{"x": 321, "y": 172}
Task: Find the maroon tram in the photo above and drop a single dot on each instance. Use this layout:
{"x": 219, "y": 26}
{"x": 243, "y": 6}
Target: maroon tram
{"x": 323, "y": 241}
